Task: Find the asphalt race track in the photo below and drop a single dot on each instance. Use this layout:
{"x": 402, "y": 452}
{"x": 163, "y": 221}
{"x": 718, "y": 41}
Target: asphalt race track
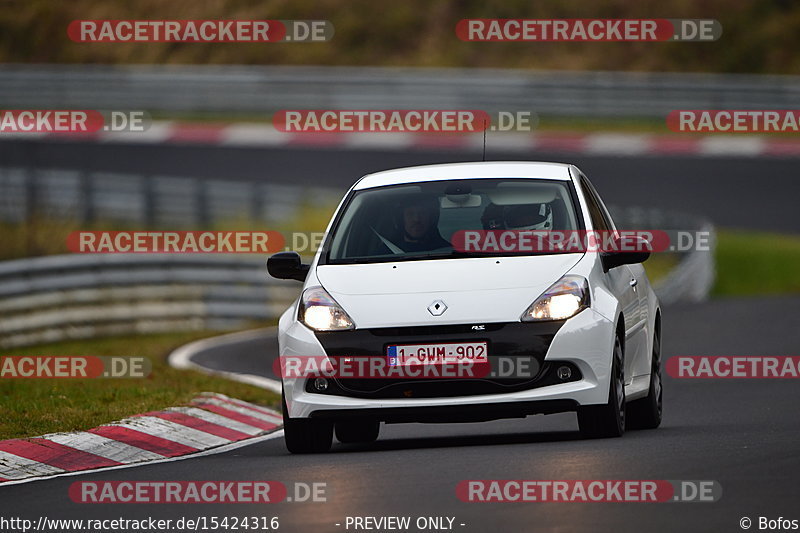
{"x": 736, "y": 192}
{"x": 743, "y": 434}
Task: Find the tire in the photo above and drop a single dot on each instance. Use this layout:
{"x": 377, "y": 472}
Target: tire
{"x": 646, "y": 413}
{"x": 306, "y": 435}
{"x": 601, "y": 421}
{"x": 357, "y": 431}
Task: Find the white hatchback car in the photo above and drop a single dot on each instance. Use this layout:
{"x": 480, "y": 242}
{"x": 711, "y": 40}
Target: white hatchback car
{"x": 393, "y": 281}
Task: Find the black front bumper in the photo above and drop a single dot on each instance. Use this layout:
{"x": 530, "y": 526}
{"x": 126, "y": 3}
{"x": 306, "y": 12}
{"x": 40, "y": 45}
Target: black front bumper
{"x": 512, "y": 340}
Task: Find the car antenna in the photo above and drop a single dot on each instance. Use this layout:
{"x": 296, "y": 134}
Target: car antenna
{"x": 484, "y": 140}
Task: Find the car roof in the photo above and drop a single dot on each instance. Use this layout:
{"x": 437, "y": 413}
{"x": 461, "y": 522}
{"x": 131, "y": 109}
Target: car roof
{"x": 460, "y": 171}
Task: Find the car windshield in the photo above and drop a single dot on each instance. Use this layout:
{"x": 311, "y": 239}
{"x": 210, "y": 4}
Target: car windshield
{"x": 423, "y": 220}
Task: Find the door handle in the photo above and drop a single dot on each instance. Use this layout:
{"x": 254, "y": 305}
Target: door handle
{"x": 634, "y": 282}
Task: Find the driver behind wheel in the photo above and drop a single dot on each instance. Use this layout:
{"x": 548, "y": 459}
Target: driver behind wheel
{"x": 419, "y": 219}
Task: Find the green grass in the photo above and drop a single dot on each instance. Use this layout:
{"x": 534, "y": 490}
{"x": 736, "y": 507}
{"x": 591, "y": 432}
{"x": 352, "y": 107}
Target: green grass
{"x": 47, "y": 235}
{"x": 659, "y": 265}
{"x": 751, "y": 263}
{"x": 32, "y": 407}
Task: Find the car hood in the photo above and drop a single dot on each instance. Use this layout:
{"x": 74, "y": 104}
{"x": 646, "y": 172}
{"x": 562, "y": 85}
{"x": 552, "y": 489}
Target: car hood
{"x": 474, "y": 290}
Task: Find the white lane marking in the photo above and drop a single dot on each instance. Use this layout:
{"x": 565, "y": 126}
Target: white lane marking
{"x": 16, "y": 467}
{"x": 382, "y": 139}
{"x": 166, "y": 429}
{"x": 215, "y": 418}
{"x": 272, "y": 419}
{"x": 26, "y": 134}
{"x": 617, "y": 143}
{"x": 214, "y": 451}
{"x": 253, "y": 135}
{"x": 103, "y": 447}
{"x": 158, "y": 132}
{"x": 182, "y": 357}
{"x": 722, "y": 145}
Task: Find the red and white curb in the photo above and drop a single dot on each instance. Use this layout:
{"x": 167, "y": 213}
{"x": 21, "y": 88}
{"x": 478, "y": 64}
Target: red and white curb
{"x": 211, "y": 423}
{"x": 601, "y": 143}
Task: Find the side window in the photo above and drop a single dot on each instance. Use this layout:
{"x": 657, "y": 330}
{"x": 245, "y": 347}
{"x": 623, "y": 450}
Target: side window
{"x": 596, "y": 211}
{"x": 606, "y": 214}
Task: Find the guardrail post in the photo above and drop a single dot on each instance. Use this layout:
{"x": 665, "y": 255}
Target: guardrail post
{"x": 149, "y": 193}
{"x": 31, "y": 208}
{"x": 201, "y": 193}
{"x": 31, "y": 193}
{"x": 257, "y": 202}
{"x": 87, "y": 198}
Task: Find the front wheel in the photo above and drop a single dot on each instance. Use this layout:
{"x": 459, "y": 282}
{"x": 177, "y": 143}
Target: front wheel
{"x": 599, "y": 421}
{"x": 306, "y": 435}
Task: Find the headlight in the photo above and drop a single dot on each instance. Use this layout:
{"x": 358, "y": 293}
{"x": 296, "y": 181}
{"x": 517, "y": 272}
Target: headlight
{"x": 565, "y": 298}
{"x": 319, "y": 311}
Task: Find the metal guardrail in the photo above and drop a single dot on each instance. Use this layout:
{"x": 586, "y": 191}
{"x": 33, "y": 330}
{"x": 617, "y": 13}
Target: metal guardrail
{"x": 150, "y": 200}
{"x": 256, "y": 89}
{"x": 48, "y": 299}
{"x": 692, "y": 279}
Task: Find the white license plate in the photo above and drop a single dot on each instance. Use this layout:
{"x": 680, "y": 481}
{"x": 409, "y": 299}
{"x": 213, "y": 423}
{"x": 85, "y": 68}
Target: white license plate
{"x": 437, "y": 354}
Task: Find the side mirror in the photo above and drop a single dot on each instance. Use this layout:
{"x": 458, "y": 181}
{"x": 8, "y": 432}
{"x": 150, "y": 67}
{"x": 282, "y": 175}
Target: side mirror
{"x": 287, "y": 265}
{"x": 614, "y": 259}
{"x": 626, "y": 253}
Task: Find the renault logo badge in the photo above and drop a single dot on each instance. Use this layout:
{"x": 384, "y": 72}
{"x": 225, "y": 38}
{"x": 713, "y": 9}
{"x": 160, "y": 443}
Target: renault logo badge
{"x": 437, "y": 308}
